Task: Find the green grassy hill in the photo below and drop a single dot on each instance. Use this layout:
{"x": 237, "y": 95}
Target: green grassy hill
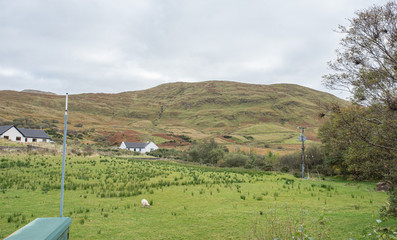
{"x": 264, "y": 116}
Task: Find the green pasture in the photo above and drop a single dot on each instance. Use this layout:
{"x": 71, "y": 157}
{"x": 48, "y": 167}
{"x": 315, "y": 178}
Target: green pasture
{"x": 270, "y": 133}
{"x": 103, "y": 194}
{"x": 263, "y": 128}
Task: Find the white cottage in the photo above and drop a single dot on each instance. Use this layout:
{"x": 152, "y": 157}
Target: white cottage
{"x": 139, "y": 147}
{"x": 22, "y": 134}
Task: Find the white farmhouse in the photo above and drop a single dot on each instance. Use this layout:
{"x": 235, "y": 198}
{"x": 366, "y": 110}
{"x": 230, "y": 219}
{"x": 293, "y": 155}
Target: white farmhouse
{"x": 22, "y": 134}
{"x": 139, "y": 147}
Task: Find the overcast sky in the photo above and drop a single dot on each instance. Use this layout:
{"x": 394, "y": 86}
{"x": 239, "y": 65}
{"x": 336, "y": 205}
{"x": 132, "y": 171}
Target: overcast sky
{"x": 81, "y": 46}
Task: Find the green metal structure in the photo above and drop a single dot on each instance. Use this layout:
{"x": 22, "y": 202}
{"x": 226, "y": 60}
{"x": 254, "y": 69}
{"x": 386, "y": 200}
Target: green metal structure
{"x": 56, "y": 228}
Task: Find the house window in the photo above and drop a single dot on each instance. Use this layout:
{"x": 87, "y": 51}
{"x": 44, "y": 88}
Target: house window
{"x": 34, "y": 140}
{"x": 18, "y": 138}
{"x": 44, "y": 140}
{"x": 26, "y": 140}
{"x": 6, "y": 137}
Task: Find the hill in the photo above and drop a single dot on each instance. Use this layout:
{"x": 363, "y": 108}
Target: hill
{"x": 37, "y": 91}
{"x": 174, "y": 114}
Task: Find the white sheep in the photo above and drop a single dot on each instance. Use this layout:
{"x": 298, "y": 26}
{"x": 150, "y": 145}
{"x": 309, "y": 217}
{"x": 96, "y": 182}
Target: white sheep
{"x": 145, "y": 203}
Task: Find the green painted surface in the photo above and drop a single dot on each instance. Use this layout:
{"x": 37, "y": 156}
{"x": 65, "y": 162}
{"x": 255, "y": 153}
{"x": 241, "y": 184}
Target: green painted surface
{"x": 43, "y": 228}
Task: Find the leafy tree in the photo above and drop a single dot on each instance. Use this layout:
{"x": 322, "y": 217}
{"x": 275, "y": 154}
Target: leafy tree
{"x": 366, "y": 66}
{"x": 362, "y": 138}
{"x": 193, "y": 155}
{"x": 349, "y": 152}
{"x": 216, "y": 155}
{"x": 207, "y": 152}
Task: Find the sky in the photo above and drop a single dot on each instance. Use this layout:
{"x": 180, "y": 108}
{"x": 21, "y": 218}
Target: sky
{"x": 91, "y": 46}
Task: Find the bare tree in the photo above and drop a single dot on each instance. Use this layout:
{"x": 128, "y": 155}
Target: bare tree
{"x": 366, "y": 64}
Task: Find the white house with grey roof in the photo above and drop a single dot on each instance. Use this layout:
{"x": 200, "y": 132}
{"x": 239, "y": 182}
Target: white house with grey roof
{"x": 13, "y": 133}
{"x": 139, "y": 147}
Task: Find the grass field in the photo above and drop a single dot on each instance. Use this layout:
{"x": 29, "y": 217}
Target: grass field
{"x": 102, "y": 196}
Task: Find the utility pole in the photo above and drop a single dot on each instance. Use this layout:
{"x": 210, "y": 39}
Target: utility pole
{"x": 302, "y": 138}
{"x": 64, "y": 153}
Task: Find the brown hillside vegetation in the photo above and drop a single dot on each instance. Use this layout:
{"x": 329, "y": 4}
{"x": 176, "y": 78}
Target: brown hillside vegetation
{"x": 262, "y": 115}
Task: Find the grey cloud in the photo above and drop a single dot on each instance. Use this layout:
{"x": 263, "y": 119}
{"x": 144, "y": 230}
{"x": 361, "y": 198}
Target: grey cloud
{"x": 122, "y": 45}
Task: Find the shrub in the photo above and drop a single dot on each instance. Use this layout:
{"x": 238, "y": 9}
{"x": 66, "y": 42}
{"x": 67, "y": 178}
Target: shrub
{"x": 249, "y": 138}
{"x": 284, "y": 169}
{"x": 235, "y": 160}
{"x": 260, "y": 161}
{"x": 207, "y": 152}
{"x": 53, "y": 133}
{"x": 193, "y": 155}
{"x": 389, "y": 210}
{"x": 216, "y": 155}
{"x": 314, "y": 161}
{"x": 166, "y": 153}
{"x": 185, "y": 138}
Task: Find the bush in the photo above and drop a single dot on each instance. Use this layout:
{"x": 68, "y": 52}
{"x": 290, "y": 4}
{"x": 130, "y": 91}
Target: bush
{"x": 101, "y": 140}
{"x": 26, "y": 122}
{"x": 314, "y": 161}
{"x": 193, "y": 155}
{"x": 390, "y": 209}
{"x": 216, "y": 155}
{"x": 235, "y": 160}
{"x": 54, "y": 133}
{"x": 285, "y": 169}
{"x": 185, "y": 138}
{"x": 260, "y": 161}
{"x": 207, "y": 152}
{"x": 166, "y": 153}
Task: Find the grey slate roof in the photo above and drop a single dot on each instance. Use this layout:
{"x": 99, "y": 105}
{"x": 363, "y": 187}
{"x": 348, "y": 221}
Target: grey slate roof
{"x": 33, "y": 133}
{"x": 28, "y": 133}
{"x": 135, "y": 145}
{"x": 3, "y": 129}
